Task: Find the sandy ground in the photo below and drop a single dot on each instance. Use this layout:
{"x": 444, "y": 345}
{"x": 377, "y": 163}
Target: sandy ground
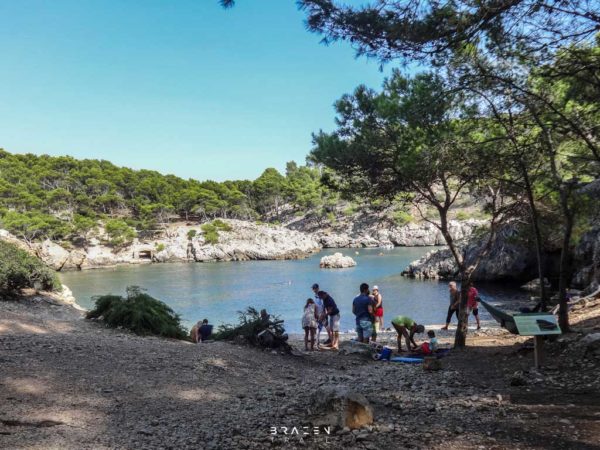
{"x": 67, "y": 383}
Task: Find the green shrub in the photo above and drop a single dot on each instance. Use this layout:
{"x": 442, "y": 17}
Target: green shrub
{"x": 350, "y": 210}
{"x": 160, "y": 247}
{"x": 402, "y": 218}
{"x": 138, "y": 312}
{"x": 19, "y": 270}
{"x": 119, "y": 232}
{"x": 250, "y": 323}
{"x": 462, "y": 215}
{"x": 191, "y": 234}
{"x": 220, "y": 225}
{"x": 211, "y": 235}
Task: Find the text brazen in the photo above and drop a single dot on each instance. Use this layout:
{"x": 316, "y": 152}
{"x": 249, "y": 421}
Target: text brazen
{"x": 297, "y": 431}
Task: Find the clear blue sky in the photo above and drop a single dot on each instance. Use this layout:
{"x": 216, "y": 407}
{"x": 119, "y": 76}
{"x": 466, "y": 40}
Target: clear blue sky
{"x": 179, "y": 86}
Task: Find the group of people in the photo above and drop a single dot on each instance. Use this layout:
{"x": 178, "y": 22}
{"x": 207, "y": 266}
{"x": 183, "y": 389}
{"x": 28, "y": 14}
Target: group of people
{"x": 201, "y": 332}
{"x": 321, "y": 311}
{"x": 472, "y": 303}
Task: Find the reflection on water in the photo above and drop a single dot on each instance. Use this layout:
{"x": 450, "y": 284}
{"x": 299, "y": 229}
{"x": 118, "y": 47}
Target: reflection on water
{"x": 218, "y": 290}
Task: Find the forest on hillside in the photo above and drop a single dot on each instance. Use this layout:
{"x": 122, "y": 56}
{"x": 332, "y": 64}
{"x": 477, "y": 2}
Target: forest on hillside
{"x": 65, "y": 198}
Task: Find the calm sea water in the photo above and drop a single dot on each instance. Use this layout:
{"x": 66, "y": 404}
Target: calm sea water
{"x": 218, "y": 290}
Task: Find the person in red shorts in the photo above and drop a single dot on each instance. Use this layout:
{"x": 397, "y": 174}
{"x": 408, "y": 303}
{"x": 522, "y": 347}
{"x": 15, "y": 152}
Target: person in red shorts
{"x": 473, "y": 304}
{"x": 378, "y": 308}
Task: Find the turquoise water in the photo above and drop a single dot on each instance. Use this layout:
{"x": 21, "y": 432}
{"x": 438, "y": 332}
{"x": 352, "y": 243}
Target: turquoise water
{"x": 218, "y": 290}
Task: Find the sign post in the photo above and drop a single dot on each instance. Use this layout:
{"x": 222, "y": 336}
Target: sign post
{"x": 537, "y": 325}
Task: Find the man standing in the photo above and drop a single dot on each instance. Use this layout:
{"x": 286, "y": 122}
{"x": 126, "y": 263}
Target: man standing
{"x": 333, "y": 313}
{"x": 362, "y": 308}
{"x": 321, "y": 316}
{"x": 454, "y": 303}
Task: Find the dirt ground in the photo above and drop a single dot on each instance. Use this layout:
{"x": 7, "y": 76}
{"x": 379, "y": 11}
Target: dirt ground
{"x": 68, "y": 383}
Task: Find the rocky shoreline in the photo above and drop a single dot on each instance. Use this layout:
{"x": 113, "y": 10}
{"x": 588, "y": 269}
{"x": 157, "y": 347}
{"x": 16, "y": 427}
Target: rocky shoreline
{"x": 244, "y": 241}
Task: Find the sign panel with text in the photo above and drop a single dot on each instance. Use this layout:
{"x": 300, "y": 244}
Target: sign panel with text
{"x": 536, "y": 324}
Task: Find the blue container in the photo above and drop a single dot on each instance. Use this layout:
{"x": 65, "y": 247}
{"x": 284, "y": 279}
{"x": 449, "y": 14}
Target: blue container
{"x": 386, "y": 353}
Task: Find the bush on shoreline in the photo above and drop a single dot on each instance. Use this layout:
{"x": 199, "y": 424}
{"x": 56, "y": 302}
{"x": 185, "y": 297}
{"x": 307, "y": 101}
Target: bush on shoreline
{"x": 20, "y": 270}
{"x": 138, "y": 312}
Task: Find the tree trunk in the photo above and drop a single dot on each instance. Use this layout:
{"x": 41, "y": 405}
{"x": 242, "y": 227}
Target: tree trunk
{"x": 564, "y": 273}
{"x": 535, "y": 223}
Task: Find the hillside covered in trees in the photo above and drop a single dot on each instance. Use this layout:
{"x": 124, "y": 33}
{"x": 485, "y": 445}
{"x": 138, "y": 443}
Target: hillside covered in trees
{"x": 63, "y": 198}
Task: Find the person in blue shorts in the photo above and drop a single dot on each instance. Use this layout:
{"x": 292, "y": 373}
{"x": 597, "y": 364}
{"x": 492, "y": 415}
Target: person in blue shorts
{"x": 362, "y": 308}
{"x": 333, "y": 313}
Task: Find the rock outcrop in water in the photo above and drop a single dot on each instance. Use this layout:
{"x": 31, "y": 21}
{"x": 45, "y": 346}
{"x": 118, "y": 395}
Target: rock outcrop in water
{"x": 336, "y": 261}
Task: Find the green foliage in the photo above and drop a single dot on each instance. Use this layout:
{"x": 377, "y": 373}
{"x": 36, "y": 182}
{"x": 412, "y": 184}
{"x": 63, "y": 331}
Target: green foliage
{"x": 19, "y": 270}
{"x": 119, "y": 232}
{"x": 160, "y": 247}
{"x": 270, "y": 189}
{"x": 191, "y": 234}
{"x": 34, "y": 225}
{"x": 61, "y": 197}
{"x": 138, "y": 312}
{"x": 250, "y": 323}
{"x": 402, "y": 217}
{"x": 350, "y": 210}
{"x": 462, "y": 215}
{"x": 211, "y": 233}
{"x": 220, "y": 225}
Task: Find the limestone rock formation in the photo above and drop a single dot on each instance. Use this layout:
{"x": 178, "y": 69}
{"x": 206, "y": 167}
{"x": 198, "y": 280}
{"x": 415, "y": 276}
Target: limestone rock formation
{"x": 586, "y": 259}
{"x": 245, "y": 241}
{"x": 507, "y": 259}
{"x": 410, "y": 235}
{"x": 336, "y": 261}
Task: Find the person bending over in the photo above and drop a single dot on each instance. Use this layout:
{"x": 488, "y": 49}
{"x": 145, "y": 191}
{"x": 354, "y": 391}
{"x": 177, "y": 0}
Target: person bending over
{"x": 407, "y": 327}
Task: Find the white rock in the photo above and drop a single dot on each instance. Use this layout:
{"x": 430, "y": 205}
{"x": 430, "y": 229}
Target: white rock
{"x": 336, "y": 261}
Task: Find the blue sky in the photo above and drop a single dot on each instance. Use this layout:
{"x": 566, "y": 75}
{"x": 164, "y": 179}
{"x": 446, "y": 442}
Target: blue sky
{"x": 179, "y": 86}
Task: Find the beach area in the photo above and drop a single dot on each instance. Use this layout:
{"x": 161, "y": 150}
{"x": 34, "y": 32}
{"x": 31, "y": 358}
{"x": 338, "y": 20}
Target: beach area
{"x": 70, "y": 383}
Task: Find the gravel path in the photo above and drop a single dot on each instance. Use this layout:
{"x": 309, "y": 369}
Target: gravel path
{"x": 67, "y": 383}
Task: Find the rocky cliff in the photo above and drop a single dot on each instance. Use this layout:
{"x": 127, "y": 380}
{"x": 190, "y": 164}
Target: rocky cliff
{"x": 586, "y": 259}
{"x": 507, "y": 259}
{"x": 245, "y": 241}
{"x": 510, "y": 258}
{"x": 373, "y": 233}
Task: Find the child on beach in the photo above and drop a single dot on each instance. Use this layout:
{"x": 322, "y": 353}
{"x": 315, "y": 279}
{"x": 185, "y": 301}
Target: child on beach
{"x": 309, "y": 323}
{"x": 430, "y": 347}
{"x": 433, "y": 342}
